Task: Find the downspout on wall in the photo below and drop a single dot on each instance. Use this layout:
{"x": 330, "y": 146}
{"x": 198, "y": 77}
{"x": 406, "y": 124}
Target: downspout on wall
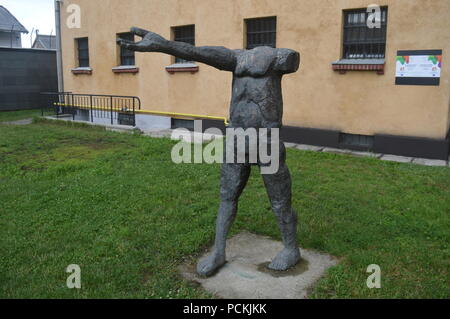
{"x": 59, "y": 63}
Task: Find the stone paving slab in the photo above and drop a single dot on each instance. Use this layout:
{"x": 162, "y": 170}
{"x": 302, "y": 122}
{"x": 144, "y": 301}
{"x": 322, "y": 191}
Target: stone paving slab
{"x": 396, "y": 158}
{"x": 335, "y": 150}
{"x": 429, "y": 162}
{"x": 245, "y": 275}
{"x": 290, "y": 145}
{"x": 366, "y": 154}
{"x": 304, "y": 147}
{"x": 158, "y": 133}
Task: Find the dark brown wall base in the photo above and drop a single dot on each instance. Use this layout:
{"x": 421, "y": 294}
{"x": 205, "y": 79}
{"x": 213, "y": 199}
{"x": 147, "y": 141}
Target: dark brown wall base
{"x": 214, "y": 123}
{"x": 310, "y": 136}
{"x": 386, "y": 144}
{"x": 412, "y": 146}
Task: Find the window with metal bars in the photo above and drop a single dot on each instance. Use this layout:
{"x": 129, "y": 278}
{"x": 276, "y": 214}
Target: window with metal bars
{"x": 83, "y": 52}
{"x": 261, "y": 32}
{"x": 127, "y": 57}
{"x": 360, "y": 41}
{"x": 184, "y": 34}
{"x": 363, "y": 142}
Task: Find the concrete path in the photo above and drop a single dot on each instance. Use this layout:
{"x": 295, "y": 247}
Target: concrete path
{"x": 19, "y": 122}
{"x": 194, "y": 137}
{"x": 197, "y": 138}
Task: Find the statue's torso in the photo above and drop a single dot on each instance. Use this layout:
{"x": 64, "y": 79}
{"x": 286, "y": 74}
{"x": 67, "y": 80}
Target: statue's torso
{"x": 256, "y": 97}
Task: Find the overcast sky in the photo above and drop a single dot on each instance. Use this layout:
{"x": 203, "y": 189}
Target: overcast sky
{"x": 37, "y": 14}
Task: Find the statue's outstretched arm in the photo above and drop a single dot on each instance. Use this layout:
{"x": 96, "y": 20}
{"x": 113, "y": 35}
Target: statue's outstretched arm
{"x": 218, "y": 57}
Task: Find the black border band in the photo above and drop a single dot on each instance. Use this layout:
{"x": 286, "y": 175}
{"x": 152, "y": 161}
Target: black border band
{"x": 417, "y": 81}
{"x": 419, "y": 52}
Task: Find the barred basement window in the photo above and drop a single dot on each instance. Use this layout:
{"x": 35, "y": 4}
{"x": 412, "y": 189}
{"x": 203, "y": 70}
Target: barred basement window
{"x": 360, "y": 41}
{"x": 127, "y": 57}
{"x": 261, "y": 32}
{"x": 184, "y": 34}
{"x": 83, "y": 52}
{"x": 363, "y": 142}
{"x": 179, "y": 123}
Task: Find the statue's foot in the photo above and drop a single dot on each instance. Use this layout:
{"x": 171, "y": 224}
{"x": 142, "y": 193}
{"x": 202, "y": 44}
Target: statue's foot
{"x": 208, "y": 266}
{"x": 285, "y": 259}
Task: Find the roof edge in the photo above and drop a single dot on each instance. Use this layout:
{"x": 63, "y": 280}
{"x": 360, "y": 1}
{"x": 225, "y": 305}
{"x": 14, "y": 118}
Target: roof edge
{"x": 20, "y": 24}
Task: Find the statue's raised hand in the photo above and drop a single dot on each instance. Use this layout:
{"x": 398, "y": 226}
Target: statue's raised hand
{"x": 151, "y": 42}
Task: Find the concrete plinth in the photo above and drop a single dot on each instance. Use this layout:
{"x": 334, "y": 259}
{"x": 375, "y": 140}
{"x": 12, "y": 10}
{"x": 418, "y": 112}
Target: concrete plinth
{"x": 246, "y": 276}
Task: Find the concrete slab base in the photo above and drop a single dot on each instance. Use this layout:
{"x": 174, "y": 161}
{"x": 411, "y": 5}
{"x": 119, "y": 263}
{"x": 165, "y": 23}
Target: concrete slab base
{"x": 396, "y": 158}
{"x": 335, "y": 150}
{"x": 290, "y": 145}
{"x": 108, "y": 127}
{"x": 366, "y": 154}
{"x": 429, "y": 162}
{"x": 304, "y": 147}
{"x": 158, "y": 133}
{"x": 246, "y": 276}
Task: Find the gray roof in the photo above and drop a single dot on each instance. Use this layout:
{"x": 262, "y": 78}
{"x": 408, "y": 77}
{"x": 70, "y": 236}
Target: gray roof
{"x": 43, "y": 41}
{"x": 9, "y": 23}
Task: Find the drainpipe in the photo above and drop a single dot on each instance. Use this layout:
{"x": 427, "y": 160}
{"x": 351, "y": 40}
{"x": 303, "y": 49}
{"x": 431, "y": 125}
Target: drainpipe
{"x": 11, "y": 37}
{"x": 59, "y": 63}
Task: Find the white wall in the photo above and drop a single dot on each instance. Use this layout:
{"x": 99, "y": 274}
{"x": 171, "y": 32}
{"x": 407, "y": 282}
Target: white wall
{"x": 5, "y": 39}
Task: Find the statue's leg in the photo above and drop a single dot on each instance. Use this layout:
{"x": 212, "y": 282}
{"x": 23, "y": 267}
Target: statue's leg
{"x": 278, "y": 187}
{"x": 233, "y": 180}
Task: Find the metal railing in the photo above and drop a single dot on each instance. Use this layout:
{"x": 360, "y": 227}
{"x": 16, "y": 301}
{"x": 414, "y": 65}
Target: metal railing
{"x": 116, "y": 108}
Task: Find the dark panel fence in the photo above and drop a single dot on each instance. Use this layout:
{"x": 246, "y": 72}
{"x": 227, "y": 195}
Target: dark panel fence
{"x": 24, "y": 73}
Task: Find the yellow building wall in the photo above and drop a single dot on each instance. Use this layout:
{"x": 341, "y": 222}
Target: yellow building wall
{"x": 316, "y": 96}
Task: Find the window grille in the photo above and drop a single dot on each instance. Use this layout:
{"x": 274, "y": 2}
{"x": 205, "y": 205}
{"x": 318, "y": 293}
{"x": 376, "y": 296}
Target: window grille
{"x": 127, "y": 57}
{"x": 83, "y": 52}
{"x": 184, "y": 34}
{"x": 360, "y": 41}
{"x": 261, "y": 32}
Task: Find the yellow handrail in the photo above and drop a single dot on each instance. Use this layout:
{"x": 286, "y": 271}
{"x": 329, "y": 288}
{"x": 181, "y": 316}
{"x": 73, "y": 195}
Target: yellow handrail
{"x": 225, "y": 120}
{"x": 173, "y": 114}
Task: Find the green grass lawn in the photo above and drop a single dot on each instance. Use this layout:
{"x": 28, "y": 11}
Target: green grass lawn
{"x": 116, "y": 205}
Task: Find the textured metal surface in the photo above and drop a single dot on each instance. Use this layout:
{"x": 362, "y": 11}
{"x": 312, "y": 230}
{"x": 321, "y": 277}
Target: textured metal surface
{"x": 24, "y": 73}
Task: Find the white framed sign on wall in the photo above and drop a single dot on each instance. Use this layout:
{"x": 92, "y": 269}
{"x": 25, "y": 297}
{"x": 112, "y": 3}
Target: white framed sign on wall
{"x": 418, "y": 67}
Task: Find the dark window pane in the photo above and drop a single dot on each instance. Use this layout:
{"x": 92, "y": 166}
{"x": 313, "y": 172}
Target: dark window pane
{"x": 360, "y": 41}
{"x": 84, "y": 63}
{"x": 83, "y": 52}
{"x": 127, "y": 57}
{"x": 184, "y": 34}
{"x": 261, "y": 32}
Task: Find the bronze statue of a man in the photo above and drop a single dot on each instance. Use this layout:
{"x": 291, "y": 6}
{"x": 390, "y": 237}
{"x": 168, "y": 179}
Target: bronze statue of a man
{"x": 256, "y": 103}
